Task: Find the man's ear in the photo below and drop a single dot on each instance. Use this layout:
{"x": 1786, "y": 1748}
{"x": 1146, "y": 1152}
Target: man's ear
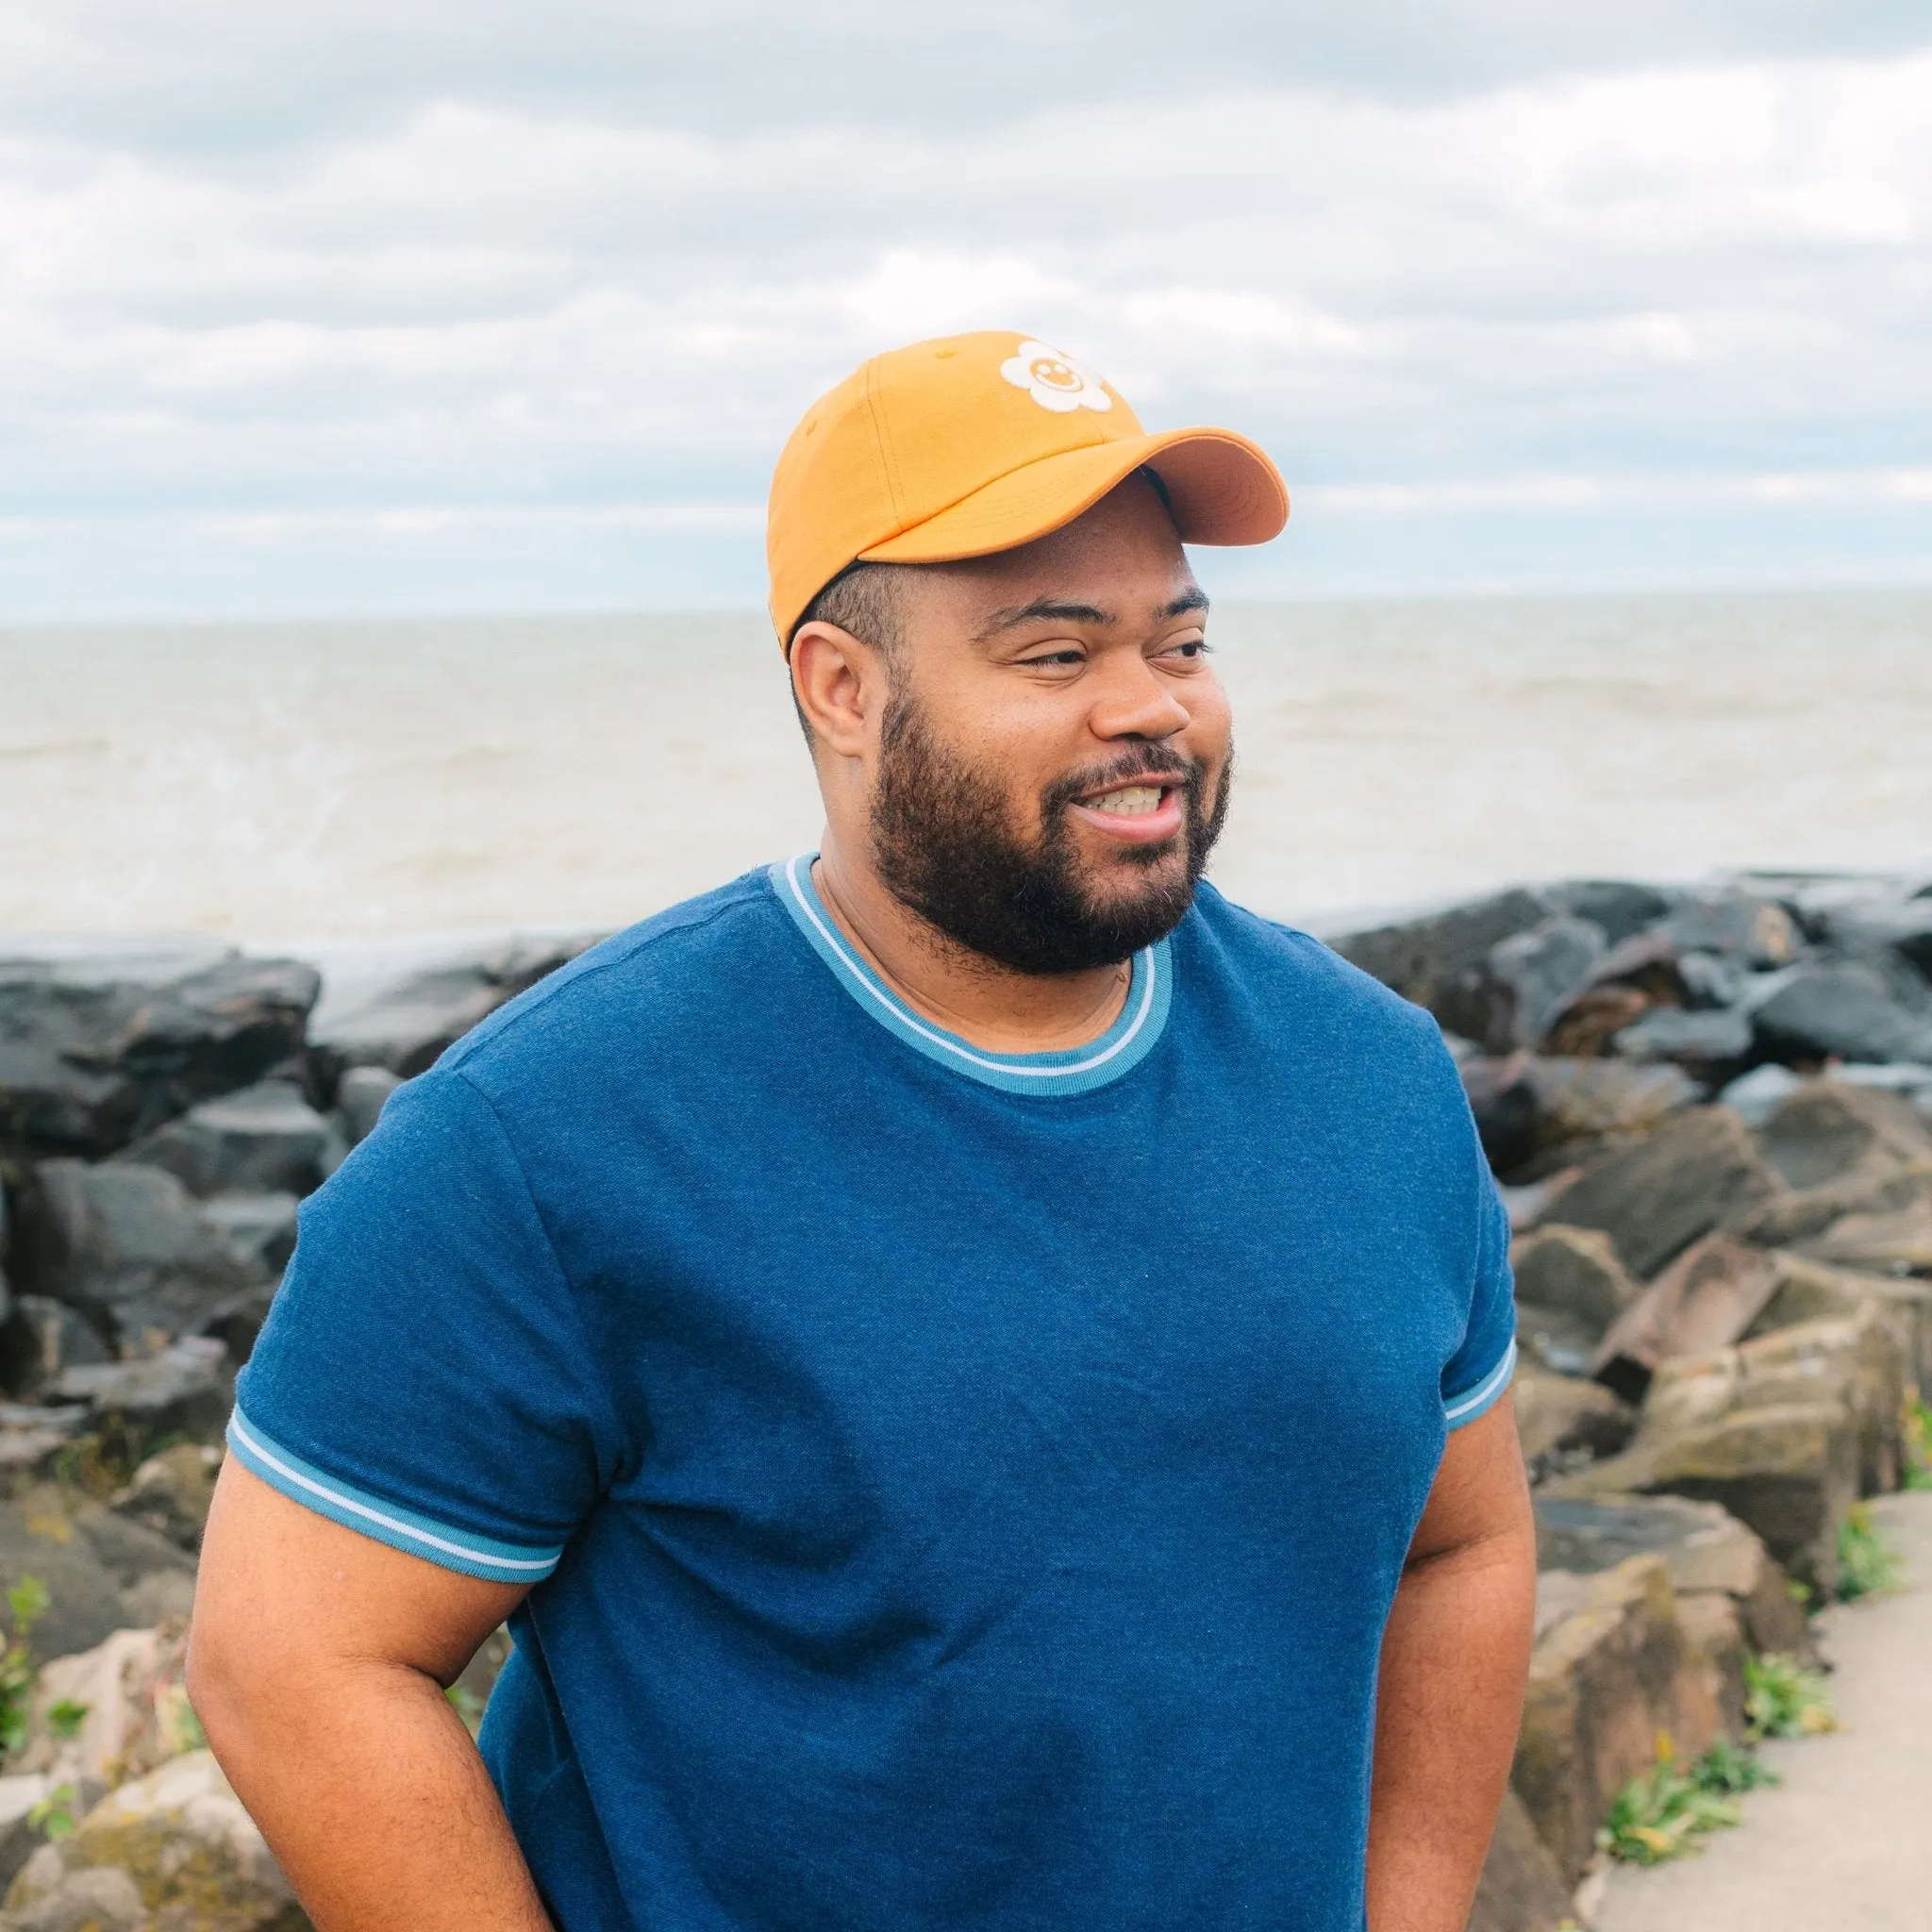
{"x": 839, "y": 683}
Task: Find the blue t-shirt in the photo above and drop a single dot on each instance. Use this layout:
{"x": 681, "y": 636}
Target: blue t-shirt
{"x": 960, "y": 1490}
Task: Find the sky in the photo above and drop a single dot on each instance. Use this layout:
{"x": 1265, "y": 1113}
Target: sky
{"x": 426, "y": 306}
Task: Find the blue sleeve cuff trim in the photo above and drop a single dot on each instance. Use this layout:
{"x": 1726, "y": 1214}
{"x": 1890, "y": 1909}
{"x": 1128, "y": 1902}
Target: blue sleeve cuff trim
{"x": 1458, "y": 1410}
{"x": 386, "y": 1522}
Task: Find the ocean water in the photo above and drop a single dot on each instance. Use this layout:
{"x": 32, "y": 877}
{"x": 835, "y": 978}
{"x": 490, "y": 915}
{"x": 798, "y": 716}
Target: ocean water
{"x": 369, "y": 784}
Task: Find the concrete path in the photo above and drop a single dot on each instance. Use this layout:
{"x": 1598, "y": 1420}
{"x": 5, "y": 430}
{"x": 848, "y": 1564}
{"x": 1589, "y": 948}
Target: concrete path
{"x": 1845, "y": 1844}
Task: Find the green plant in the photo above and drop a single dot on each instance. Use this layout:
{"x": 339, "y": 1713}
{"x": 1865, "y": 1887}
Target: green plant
{"x": 65, "y": 1718}
{"x": 1865, "y": 1562}
{"x": 53, "y": 1816}
{"x": 28, "y": 1602}
{"x": 1782, "y": 1699}
{"x": 1729, "y": 1769}
{"x": 1915, "y": 1422}
{"x": 1662, "y": 1812}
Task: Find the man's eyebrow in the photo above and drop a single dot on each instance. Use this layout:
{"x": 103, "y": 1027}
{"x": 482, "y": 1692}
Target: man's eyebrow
{"x": 1041, "y": 610}
{"x": 1194, "y": 599}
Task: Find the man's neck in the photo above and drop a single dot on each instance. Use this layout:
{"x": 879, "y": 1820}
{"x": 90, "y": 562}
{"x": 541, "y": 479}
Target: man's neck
{"x": 992, "y": 1005}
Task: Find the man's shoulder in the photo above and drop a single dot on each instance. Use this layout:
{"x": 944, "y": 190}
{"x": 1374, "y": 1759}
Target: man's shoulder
{"x": 1281, "y": 963}
{"x": 666, "y": 972}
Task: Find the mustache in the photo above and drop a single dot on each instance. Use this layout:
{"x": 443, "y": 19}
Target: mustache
{"x": 1135, "y": 761}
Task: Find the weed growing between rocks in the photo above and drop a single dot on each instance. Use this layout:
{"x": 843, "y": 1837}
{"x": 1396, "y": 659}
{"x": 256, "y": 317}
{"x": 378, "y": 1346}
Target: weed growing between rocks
{"x": 1662, "y": 1812}
{"x": 1867, "y": 1563}
{"x": 27, "y": 1601}
{"x": 1916, "y": 1428}
{"x": 1782, "y": 1699}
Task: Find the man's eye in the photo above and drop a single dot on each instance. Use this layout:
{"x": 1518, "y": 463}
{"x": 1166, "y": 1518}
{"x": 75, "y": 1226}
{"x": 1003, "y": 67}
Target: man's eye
{"x": 1056, "y": 658}
{"x": 1194, "y": 648}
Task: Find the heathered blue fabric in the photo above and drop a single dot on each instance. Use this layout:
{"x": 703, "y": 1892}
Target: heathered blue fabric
{"x": 978, "y": 1509}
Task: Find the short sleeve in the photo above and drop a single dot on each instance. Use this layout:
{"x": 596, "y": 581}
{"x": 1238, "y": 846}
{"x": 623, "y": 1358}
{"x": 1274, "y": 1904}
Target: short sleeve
{"x": 425, "y": 1375}
{"x": 1479, "y": 1371}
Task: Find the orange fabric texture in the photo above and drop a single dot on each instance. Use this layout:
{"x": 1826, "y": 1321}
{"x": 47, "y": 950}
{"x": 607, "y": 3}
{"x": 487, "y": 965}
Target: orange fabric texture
{"x": 981, "y": 443}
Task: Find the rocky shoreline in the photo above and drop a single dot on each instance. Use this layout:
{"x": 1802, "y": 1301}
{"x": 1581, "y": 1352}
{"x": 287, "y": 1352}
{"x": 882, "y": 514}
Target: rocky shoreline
{"x": 1710, "y": 1109}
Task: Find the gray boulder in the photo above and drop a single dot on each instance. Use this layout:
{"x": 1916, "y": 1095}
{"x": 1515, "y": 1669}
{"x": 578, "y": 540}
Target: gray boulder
{"x": 1572, "y": 1269}
{"x": 1704, "y": 1547}
{"x": 1706, "y": 1299}
{"x": 98, "y": 1045}
{"x": 1562, "y": 1420}
{"x": 1623, "y": 907}
{"x": 1423, "y": 953}
{"x": 261, "y": 1228}
{"x": 172, "y": 1850}
{"x": 1699, "y": 1171}
{"x": 1521, "y": 984}
{"x": 1735, "y": 923}
{"x": 39, "y": 1338}
{"x": 405, "y": 1023}
{"x": 102, "y": 1572}
{"x": 1709, "y": 1041}
{"x": 1844, "y": 1009}
{"x": 169, "y": 1495}
{"x": 265, "y": 1138}
{"x": 183, "y": 1389}
{"x": 361, "y": 1095}
{"x": 1530, "y": 1109}
{"x": 129, "y": 1248}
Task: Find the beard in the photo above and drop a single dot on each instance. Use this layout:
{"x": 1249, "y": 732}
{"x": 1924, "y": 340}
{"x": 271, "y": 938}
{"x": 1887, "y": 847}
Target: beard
{"x": 944, "y": 845}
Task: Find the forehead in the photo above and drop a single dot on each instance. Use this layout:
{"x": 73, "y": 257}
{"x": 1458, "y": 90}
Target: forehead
{"x": 1121, "y": 555}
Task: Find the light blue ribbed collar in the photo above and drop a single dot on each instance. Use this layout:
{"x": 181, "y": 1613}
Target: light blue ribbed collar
{"x": 1073, "y": 1070}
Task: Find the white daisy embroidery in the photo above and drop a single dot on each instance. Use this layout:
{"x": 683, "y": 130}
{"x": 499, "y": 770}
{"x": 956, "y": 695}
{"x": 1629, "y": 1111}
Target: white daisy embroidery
{"x": 1054, "y": 381}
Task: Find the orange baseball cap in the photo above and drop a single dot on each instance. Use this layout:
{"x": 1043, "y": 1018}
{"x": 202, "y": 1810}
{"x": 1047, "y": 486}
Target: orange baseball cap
{"x": 974, "y": 443}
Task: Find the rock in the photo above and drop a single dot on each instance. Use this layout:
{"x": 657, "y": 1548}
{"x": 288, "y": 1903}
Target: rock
{"x": 1521, "y": 984}
{"x": 130, "y": 1248}
{"x": 99, "y": 1044}
{"x": 1698, "y": 1172}
{"x": 101, "y": 1573}
{"x": 1520, "y": 1889}
{"x": 360, "y": 1097}
{"x": 39, "y": 1338}
{"x": 1704, "y": 1547}
{"x": 1858, "y": 1361}
{"x": 188, "y": 1854}
{"x": 1560, "y": 1419}
{"x": 1707, "y": 1040}
{"x": 1706, "y": 1299}
{"x": 406, "y": 1023}
{"x": 236, "y": 1324}
{"x": 1554, "y": 1340}
{"x": 185, "y": 1390}
{"x": 169, "y": 1493}
{"x": 1896, "y": 1244}
{"x": 1754, "y": 1097}
{"x": 1902, "y": 926}
{"x": 1530, "y": 1109}
{"x": 1714, "y": 1630}
{"x": 133, "y": 1691}
{"x": 261, "y": 1228}
{"x": 20, "y": 1837}
{"x": 100, "y": 1899}
{"x": 1840, "y": 1008}
{"x": 1604, "y": 1683}
{"x": 1747, "y": 927}
{"x": 1423, "y": 953}
{"x": 1789, "y": 1472}
{"x": 33, "y": 1438}
{"x": 1573, "y": 1269}
{"x": 264, "y": 1138}
{"x": 1623, "y": 907}
{"x": 1825, "y": 1130}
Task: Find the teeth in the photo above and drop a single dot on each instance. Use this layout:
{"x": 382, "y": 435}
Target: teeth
{"x": 1130, "y": 801}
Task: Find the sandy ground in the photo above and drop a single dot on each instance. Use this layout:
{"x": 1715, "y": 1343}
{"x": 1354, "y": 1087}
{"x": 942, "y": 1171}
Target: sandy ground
{"x": 1845, "y": 1844}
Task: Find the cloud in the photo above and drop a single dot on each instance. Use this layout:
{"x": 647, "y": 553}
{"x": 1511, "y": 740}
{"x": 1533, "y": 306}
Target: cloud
{"x": 413, "y": 327}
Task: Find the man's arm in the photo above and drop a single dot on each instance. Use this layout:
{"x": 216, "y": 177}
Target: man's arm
{"x": 1454, "y": 1662}
{"x": 317, "y": 1664}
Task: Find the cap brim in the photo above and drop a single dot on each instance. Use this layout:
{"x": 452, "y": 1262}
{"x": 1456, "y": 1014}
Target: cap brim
{"x": 1221, "y": 489}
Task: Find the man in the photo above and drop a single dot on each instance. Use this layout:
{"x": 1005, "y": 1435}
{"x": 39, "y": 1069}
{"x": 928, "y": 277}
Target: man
{"x": 943, "y": 1350}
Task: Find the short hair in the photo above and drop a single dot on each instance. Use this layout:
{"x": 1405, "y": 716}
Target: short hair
{"x": 864, "y": 600}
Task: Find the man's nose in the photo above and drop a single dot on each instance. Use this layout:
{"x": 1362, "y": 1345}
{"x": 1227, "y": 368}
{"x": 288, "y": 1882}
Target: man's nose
{"x": 1137, "y": 703}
